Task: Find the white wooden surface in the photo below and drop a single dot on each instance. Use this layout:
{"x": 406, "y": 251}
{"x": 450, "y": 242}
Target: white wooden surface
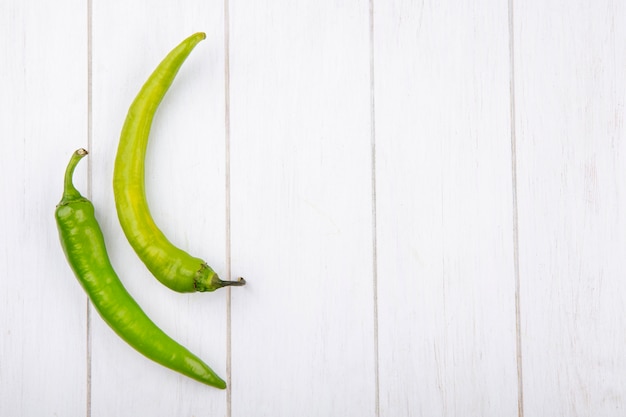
{"x": 425, "y": 197}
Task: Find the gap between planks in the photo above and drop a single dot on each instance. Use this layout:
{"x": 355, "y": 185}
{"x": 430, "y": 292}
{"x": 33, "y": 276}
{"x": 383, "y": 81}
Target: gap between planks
{"x": 229, "y": 392}
{"x": 374, "y": 226}
{"x": 518, "y": 316}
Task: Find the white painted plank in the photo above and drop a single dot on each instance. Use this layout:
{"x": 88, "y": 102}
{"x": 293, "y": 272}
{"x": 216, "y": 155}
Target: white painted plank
{"x": 570, "y": 99}
{"x": 446, "y": 281}
{"x": 43, "y": 120}
{"x": 185, "y": 190}
{"x": 302, "y": 330}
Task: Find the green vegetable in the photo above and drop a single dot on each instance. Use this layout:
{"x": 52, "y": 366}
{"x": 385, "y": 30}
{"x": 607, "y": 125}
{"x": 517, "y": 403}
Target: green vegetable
{"x": 85, "y": 250}
{"x": 172, "y": 266}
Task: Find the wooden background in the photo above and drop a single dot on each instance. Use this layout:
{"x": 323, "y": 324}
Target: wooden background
{"x": 427, "y": 199}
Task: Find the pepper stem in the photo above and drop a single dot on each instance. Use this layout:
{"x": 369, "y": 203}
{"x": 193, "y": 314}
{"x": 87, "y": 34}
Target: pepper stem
{"x": 218, "y": 283}
{"x": 70, "y": 192}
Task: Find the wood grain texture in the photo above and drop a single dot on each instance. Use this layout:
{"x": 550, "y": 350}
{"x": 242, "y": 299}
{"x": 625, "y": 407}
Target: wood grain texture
{"x": 359, "y": 171}
{"x": 185, "y": 191}
{"x": 444, "y": 209}
{"x": 43, "y": 119}
{"x": 570, "y": 98}
{"x": 301, "y": 209}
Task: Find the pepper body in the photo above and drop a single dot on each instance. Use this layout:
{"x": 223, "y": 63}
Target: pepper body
{"x": 85, "y": 250}
{"x": 171, "y": 265}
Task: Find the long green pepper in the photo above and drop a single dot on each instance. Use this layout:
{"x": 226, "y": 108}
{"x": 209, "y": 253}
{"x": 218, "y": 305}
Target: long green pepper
{"x": 171, "y": 265}
{"x": 85, "y": 250}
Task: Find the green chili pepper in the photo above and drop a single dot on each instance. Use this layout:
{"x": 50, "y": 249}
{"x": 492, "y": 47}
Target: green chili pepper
{"x": 85, "y": 250}
{"x": 172, "y": 266}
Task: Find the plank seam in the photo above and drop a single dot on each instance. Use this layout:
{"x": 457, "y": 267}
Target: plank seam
{"x": 89, "y": 188}
{"x": 227, "y": 204}
{"x": 518, "y": 316}
{"x": 374, "y": 225}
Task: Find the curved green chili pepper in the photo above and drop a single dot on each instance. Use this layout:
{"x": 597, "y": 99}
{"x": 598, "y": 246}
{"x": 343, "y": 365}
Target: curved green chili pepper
{"x": 172, "y": 266}
{"x": 85, "y": 250}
